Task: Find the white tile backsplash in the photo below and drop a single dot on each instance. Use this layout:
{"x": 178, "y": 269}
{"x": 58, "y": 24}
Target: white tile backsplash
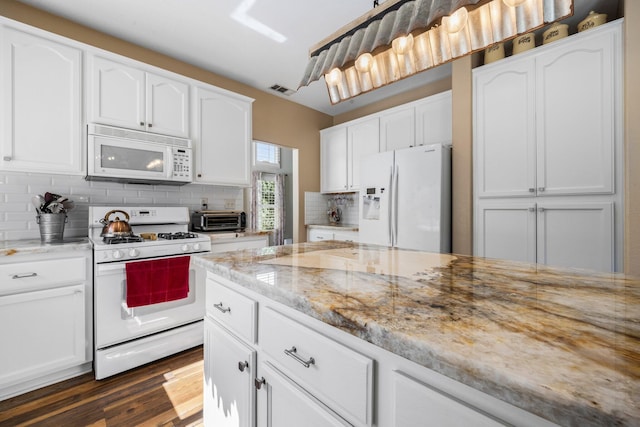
{"x": 317, "y": 204}
{"x": 18, "y": 216}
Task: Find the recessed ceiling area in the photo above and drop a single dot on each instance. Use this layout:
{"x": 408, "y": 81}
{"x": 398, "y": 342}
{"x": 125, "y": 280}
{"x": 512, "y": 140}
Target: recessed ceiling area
{"x": 260, "y": 43}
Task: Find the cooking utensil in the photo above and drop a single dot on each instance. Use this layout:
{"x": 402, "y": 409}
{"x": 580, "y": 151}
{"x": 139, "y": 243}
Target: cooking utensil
{"x": 116, "y": 228}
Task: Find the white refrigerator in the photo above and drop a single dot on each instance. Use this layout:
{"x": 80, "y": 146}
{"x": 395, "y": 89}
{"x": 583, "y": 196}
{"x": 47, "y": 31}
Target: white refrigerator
{"x": 405, "y": 198}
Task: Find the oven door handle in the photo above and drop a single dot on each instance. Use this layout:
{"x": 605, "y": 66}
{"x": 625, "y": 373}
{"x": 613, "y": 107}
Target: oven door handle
{"x": 109, "y": 268}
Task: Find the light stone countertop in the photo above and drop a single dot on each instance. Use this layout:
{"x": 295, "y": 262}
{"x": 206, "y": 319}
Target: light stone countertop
{"x": 563, "y": 344}
{"x": 10, "y": 248}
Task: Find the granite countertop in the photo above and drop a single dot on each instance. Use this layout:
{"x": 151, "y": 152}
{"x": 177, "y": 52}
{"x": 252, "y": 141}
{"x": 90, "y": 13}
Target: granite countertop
{"x": 338, "y": 225}
{"x": 35, "y": 246}
{"x": 563, "y": 344}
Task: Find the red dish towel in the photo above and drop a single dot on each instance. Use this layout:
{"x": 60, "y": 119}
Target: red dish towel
{"x": 159, "y": 280}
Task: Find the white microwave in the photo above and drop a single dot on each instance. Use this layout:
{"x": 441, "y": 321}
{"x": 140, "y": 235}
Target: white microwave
{"x": 123, "y": 155}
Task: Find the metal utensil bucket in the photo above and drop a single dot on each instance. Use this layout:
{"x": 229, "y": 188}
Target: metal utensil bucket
{"x": 51, "y": 226}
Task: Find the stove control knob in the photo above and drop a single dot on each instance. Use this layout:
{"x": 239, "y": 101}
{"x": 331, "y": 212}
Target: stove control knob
{"x": 133, "y": 252}
{"x": 117, "y": 254}
{"x": 184, "y": 248}
{"x": 196, "y": 246}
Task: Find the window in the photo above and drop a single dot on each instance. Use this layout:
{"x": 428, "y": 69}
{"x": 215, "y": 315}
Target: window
{"x": 265, "y": 154}
{"x": 266, "y": 202}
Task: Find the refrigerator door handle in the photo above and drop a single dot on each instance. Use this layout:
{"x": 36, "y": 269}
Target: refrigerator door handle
{"x": 390, "y": 205}
{"x": 396, "y": 171}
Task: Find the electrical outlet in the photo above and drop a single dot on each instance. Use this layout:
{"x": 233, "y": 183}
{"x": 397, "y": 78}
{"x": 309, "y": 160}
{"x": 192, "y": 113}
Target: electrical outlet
{"x": 229, "y": 204}
{"x": 204, "y": 202}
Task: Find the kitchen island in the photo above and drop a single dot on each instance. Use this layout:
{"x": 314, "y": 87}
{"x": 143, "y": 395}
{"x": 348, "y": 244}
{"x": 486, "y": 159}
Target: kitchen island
{"x": 561, "y": 344}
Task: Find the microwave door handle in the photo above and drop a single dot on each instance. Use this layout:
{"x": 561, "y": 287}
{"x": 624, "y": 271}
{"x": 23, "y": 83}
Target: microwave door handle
{"x": 169, "y": 162}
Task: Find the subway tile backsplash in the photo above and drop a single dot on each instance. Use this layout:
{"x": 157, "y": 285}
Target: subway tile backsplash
{"x": 19, "y": 217}
{"x": 317, "y": 204}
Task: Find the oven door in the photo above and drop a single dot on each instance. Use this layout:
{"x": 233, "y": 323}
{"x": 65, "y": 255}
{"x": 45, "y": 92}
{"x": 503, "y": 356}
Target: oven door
{"x": 128, "y": 159}
{"x": 116, "y": 323}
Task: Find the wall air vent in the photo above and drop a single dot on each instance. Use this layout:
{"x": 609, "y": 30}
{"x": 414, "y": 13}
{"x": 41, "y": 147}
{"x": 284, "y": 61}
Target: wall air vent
{"x": 283, "y": 90}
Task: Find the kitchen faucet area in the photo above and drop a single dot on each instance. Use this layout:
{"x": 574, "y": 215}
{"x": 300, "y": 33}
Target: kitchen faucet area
{"x": 395, "y": 213}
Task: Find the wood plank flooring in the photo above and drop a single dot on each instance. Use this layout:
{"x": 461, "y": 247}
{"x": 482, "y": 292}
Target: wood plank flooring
{"x": 164, "y": 393}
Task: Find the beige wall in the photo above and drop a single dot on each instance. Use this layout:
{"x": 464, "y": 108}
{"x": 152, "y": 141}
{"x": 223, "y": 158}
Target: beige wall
{"x": 632, "y": 137}
{"x": 274, "y": 119}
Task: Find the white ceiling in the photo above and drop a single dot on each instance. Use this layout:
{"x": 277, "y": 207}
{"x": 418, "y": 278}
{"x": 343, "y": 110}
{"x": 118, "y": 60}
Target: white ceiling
{"x": 204, "y": 33}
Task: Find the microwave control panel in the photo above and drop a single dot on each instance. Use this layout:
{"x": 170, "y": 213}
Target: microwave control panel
{"x": 181, "y": 163}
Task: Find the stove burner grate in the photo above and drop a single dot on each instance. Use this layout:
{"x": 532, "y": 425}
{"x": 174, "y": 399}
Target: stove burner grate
{"x": 177, "y": 236}
{"x": 122, "y": 239}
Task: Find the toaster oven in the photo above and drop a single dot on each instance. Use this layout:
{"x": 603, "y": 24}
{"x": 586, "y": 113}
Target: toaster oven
{"x": 218, "y": 221}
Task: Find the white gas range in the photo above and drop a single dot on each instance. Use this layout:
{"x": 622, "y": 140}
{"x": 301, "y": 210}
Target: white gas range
{"x": 147, "y": 301}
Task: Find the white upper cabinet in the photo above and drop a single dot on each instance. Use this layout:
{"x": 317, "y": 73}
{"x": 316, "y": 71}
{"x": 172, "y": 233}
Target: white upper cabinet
{"x": 221, "y": 137}
{"x": 333, "y": 160}
{"x": 576, "y": 89}
{"x": 341, "y": 149}
{"x": 363, "y": 139}
{"x": 121, "y": 95}
{"x": 434, "y": 119}
{"x": 545, "y": 124}
{"x": 505, "y": 130}
{"x": 423, "y": 122}
{"x": 41, "y": 104}
{"x": 398, "y": 128}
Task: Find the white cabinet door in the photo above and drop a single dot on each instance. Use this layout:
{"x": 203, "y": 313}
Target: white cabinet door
{"x": 417, "y": 404}
{"x": 222, "y": 138}
{"x": 576, "y": 116}
{"x": 504, "y": 132}
{"x": 229, "y": 370}
{"x": 578, "y": 235}
{"x": 42, "y": 332}
{"x": 363, "y": 139}
{"x": 333, "y": 160}
{"x": 126, "y": 96}
{"x": 506, "y": 229}
{"x": 167, "y": 110}
{"x": 41, "y": 103}
{"x": 434, "y": 119}
{"x": 397, "y": 129}
{"x": 116, "y": 95}
{"x": 281, "y": 402}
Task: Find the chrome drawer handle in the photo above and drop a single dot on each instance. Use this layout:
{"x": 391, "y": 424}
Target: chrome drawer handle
{"x": 221, "y": 308}
{"x": 293, "y": 352}
{"x": 23, "y": 276}
{"x": 243, "y": 365}
{"x": 259, "y": 382}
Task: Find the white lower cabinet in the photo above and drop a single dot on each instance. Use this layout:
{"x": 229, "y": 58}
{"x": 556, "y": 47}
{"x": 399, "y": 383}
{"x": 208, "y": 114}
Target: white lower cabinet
{"x": 302, "y": 372}
{"x": 45, "y": 320}
{"x": 417, "y": 404}
{"x": 229, "y": 365}
{"x": 562, "y": 234}
{"x": 281, "y": 402}
{"x": 335, "y": 374}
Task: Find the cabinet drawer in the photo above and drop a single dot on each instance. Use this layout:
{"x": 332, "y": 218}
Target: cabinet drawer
{"x": 338, "y": 376}
{"x": 235, "y": 311}
{"x": 28, "y": 276}
{"x": 346, "y": 236}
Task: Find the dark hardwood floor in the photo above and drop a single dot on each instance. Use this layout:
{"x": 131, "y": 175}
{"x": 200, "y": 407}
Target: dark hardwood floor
{"x": 164, "y": 393}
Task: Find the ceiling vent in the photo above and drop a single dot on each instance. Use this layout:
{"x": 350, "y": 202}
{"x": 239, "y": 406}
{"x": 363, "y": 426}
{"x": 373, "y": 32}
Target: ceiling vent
{"x": 283, "y": 90}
